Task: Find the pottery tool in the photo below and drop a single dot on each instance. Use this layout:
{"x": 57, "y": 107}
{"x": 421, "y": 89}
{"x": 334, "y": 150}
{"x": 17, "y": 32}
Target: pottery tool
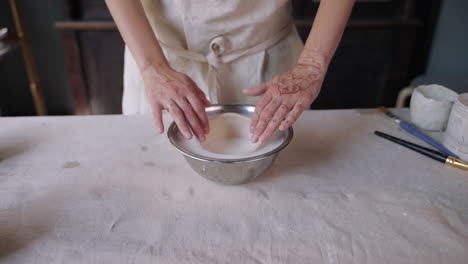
{"x": 436, "y": 155}
{"x": 416, "y": 132}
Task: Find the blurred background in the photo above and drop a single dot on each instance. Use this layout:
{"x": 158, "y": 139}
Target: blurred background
{"x": 70, "y": 52}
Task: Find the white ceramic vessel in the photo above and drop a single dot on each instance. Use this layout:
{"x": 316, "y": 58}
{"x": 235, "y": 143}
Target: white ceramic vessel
{"x": 431, "y": 105}
{"x": 456, "y": 136}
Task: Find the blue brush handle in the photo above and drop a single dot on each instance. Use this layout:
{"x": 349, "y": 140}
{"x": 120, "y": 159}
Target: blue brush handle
{"x": 415, "y": 132}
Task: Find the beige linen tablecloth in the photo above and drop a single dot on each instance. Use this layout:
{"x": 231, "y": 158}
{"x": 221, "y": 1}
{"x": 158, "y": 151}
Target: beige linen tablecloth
{"x": 108, "y": 189}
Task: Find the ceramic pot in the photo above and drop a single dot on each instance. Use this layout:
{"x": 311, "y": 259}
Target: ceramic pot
{"x": 431, "y": 105}
{"x": 456, "y": 136}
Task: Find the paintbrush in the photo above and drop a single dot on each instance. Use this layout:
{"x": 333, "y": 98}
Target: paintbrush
{"x": 416, "y": 132}
{"x": 439, "y": 156}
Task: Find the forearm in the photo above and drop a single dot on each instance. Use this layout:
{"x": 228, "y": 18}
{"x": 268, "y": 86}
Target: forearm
{"x": 136, "y": 31}
{"x": 325, "y": 34}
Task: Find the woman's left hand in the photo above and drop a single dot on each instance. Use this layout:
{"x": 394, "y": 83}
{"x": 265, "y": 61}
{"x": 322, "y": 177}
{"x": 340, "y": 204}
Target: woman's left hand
{"x": 285, "y": 97}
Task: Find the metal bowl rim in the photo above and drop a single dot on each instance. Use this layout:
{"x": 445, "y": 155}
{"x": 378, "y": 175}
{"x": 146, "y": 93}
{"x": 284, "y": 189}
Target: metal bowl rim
{"x": 173, "y": 127}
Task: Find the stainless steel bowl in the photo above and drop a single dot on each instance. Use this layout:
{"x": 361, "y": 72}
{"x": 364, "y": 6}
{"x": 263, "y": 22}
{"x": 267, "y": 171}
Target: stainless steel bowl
{"x": 229, "y": 171}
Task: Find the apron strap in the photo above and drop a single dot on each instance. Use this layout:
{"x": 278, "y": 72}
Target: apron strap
{"x": 216, "y": 56}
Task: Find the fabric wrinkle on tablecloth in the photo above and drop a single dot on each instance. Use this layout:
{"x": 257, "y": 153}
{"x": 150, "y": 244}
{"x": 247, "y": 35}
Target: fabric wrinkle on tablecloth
{"x": 108, "y": 189}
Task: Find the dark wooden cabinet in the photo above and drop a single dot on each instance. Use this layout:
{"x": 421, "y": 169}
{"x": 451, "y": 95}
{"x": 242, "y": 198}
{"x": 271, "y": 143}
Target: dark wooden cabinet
{"x": 385, "y": 45}
{"x": 94, "y": 57}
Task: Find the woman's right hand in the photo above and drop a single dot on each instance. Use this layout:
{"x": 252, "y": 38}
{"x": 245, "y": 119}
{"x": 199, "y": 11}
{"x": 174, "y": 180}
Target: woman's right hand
{"x": 165, "y": 87}
{"x": 177, "y": 93}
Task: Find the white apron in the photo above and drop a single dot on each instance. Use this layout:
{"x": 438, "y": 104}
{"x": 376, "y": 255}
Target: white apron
{"x": 225, "y": 46}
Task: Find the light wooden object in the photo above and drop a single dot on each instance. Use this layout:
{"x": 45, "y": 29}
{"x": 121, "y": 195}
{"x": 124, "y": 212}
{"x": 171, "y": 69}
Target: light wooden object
{"x": 29, "y": 63}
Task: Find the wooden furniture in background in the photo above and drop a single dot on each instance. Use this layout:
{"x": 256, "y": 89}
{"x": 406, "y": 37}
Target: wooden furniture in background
{"x": 20, "y": 39}
{"x": 385, "y": 45}
{"x": 94, "y": 53}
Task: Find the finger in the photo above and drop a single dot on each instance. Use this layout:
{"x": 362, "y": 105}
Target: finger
{"x": 199, "y": 108}
{"x": 192, "y": 118}
{"x": 202, "y": 96}
{"x": 292, "y": 117}
{"x": 157, "y": 117}
{"x": 259, "y": 90}
{"x": 179, "y": 118}
{"x": 265, "y": 117}
{"x": 278, "y": 117}
{"x": 205, "y": 101}
{"x": 266, "y": 99}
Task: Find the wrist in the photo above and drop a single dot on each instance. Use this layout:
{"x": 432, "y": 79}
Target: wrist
{"x": 314, "y": 61}
{"x": 151, "y": 68}
{"x": 316, "y": 70}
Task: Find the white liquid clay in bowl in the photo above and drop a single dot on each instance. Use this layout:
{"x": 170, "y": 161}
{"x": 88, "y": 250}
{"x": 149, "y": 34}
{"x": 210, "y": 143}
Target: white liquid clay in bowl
{"x": 229, "y": 138}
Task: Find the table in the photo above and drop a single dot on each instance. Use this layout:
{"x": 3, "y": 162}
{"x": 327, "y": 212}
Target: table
{"x": 109, "y": 189}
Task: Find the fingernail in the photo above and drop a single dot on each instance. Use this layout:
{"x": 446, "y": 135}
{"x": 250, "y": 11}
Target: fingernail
{"x": 251, "y": 129}
{"x": 188, "y": 135}
{"x": 201, "y": 137}
{"x": 254, "y": 139}
{"x": 207, "y": 130}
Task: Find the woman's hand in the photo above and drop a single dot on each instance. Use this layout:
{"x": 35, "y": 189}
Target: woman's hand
{"x": 177, "y": 93}
{"x": 289, "y": 94}
{"x": 165, "y": 88}
{"x": 286, "y": 97}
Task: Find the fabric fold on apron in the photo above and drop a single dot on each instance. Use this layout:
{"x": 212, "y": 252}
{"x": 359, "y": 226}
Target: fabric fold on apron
{"x": 236, "y": 45}
{"x": 217, "y": 56}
